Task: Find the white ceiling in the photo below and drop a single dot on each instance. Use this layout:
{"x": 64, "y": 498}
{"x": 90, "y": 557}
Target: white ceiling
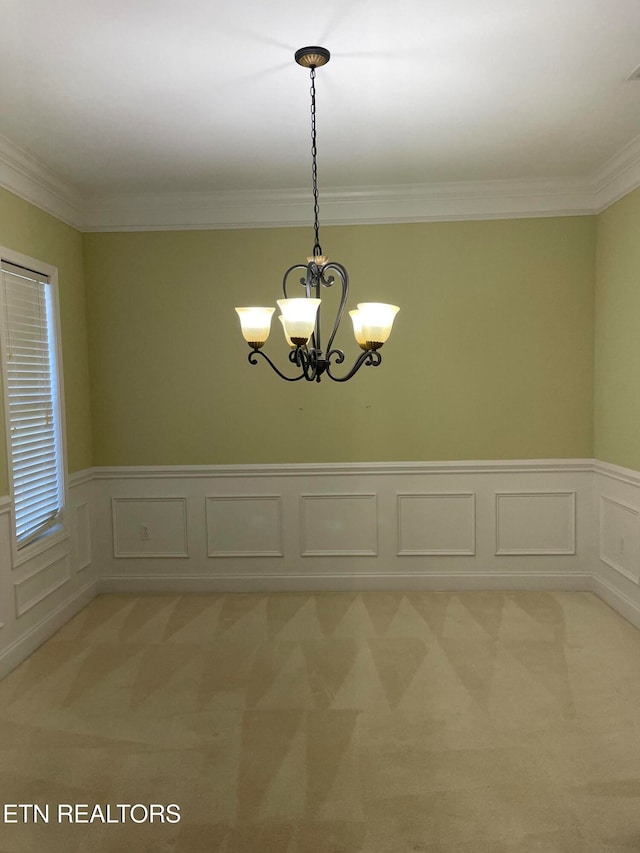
{"x": 130, "y": 97}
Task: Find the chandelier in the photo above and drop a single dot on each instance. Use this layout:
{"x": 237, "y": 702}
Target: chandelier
{"x": 300, "y": 316}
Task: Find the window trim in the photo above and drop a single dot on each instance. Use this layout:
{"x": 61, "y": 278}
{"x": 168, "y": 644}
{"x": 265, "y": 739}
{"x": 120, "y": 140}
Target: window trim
{"x": 60, "y": 531}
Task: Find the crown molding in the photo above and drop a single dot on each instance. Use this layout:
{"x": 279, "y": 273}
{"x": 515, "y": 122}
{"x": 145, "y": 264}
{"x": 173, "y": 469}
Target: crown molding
{"x": 26, "y": 177}
{"x": 346, "y": 206}
{"x": 23, "y": 175}
{"x": 618, "y": 176}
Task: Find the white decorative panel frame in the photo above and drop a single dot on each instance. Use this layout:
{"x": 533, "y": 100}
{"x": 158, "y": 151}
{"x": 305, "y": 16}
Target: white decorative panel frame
{"x": 535, "y": 523}
{"x": 34, "y": 587}
{"x": 620, "y": 537}
{"x": 436, "y": 524}
{"x": 166, "y": 521}
{"x": 244, "y": 526}
{"x": 339, "y": 525}
{"x": 82, "y": 537}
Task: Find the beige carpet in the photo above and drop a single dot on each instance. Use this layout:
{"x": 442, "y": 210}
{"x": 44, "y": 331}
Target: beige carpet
{"x": 331, "y": 723}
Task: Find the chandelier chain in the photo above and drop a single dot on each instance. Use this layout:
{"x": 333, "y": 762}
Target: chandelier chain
{"x": 314, "y": 167}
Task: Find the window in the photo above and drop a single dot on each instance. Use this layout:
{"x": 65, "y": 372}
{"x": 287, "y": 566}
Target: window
{"x": 32, "y": 396}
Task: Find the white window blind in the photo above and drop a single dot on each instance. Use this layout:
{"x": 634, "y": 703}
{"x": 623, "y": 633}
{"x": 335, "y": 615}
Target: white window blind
{"x": 32, "y": 400}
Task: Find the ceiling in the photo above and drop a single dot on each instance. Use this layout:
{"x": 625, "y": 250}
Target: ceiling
{"x": 129, "y": 98}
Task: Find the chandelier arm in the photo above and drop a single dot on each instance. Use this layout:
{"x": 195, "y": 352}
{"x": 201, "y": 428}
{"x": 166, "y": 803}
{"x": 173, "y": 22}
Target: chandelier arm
{"x": 253, "y": 360}
{"x": 371, "y": 358}
{"x": 314, "y": 277}
{"x": 307, "y": 359}
{"x": 335, "y": 355}
{"x": 307, "y": 282}
{"x": 344, "y": 281}
{"x": 287, "y": 274}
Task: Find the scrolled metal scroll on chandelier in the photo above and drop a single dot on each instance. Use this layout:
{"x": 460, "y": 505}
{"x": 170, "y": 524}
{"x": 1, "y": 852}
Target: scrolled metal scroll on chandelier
{"x": 300, "y": 316}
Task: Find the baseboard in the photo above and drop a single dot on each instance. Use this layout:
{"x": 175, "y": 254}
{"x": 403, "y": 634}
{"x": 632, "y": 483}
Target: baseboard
{"x": 617, "y": 600}
{"x": 363, "y": 582}
{"x": 26, "y": 644}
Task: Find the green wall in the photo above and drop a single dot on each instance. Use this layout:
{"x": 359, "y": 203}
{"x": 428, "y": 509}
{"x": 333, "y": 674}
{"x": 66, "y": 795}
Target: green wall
{"x": 29, "y": 230}
{"x": 491, "y": 355}
{"x": 617, "y": 337}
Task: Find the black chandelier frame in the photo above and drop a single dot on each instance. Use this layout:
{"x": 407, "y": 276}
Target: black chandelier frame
{"x": 310, "y": 358}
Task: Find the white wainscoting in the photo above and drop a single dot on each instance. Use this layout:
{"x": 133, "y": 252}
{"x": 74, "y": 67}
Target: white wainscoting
{"x": 38, "y": 595}
{"x": 617, "y": 554}
{"x": 550, "y": 524}
{"x": 464, "y": 525}
{"x": 620, "y": 537}
{"x": 34, "y": 587}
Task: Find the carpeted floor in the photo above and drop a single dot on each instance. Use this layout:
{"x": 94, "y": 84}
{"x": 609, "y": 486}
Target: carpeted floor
{"x": 330, "y": 723}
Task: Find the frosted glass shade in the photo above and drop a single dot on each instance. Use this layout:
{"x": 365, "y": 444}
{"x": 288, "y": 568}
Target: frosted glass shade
{"x": 255, "y": 324}
{"x": 377, "y": 320}
{"x": 284, "y": 329}
{"x": 299, "y": 318}
{"x": 356, "y": 318}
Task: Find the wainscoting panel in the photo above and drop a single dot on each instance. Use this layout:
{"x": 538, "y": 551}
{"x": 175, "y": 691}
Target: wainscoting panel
{"x": 617, "y": 550}
{"x": 82, "y": 536}
{"x": 341, "y": 526}
{"x": 620, "y": 537}
{"x": 147, "y": 527}
{"x": 42, "y": 591}
{"x": 33, "y": 588}
{"x": 535, "y": 523}
{"x": 334, "y": 525}
{"x": 244, "y": 526}
{"x": 437, "y": 524}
